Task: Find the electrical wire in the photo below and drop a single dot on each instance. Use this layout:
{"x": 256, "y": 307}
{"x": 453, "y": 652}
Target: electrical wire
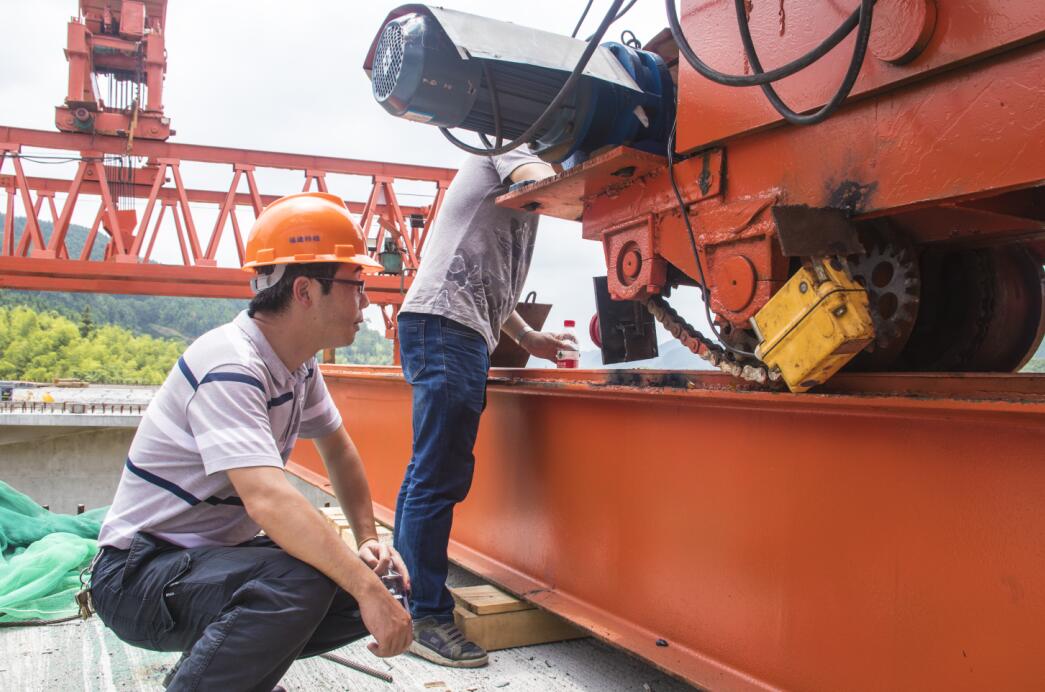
{"x": 497, "y": 133}
{"x": 45, "y": 159}
{"x": 693, "y": 246}
{"x": 581, "y": 20}
{"x": 564, "y": 92}
{"x": 620, "y": 14}
{"x": 760, "y": 77}
{"x": 859, "y": 51}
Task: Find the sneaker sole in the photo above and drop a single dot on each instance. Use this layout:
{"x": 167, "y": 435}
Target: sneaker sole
{"x": 422, "y": 651}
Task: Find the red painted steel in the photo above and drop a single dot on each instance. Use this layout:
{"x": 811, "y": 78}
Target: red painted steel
{"x": 942, "y": 140}
{"x": 38, "y": 265}
{"x": 865, "y": 541}
{"x": 964, "y": 32}
{"x": 122, "y": 40}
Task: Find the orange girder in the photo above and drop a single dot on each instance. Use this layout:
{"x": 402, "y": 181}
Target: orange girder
{"x": 36, "y": 264}
{"x": 889, "y": 538}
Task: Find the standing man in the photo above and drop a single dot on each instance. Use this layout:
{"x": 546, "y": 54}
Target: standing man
{"x": 181, "y": 566}
{"x": 464, "y": 294}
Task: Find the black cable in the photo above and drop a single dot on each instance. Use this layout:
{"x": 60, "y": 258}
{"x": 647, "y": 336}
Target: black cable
{"x": 620, "y": 14}
{"x": 693, "y": 246}
{"x": 760, "y": 77}
{"x": 497, "y": 133}
{"x": 863, "y": 35}
{"x": 46, "y": 159}
{"x": 632, "y": 42}
{"x": 581, "y": 20}
{"x": 553, "y": 107}
{"x": 39, "y": 623}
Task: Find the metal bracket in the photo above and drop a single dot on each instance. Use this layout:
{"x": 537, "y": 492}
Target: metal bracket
{"x": 626, "y": 327}
{"x": 809, "y": 231}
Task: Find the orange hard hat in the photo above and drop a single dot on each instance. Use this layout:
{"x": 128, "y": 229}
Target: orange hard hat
{"x": 307, "y": 227}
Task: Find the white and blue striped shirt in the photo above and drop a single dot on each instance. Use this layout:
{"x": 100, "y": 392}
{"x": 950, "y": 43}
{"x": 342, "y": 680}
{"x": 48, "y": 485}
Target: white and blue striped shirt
{"x": 228, "y": 403}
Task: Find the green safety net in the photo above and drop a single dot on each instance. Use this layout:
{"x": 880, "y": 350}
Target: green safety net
{"x": 41, "y": 555}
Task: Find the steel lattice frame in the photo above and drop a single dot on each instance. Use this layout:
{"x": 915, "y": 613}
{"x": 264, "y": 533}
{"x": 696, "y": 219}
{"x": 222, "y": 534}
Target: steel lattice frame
{"x": 38, "y": 264}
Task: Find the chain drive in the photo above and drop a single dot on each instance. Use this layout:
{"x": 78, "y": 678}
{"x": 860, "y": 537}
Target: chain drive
{"x": 750, "y": 369}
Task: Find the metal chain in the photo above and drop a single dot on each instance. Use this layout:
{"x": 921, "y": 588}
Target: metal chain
{"x": 749, "y": 369}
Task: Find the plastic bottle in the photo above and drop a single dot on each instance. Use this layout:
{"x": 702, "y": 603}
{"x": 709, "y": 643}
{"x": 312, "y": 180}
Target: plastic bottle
{"x": 571, "y": 358}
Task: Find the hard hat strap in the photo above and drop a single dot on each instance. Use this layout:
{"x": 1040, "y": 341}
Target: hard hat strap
{"x": 262, "y": 281}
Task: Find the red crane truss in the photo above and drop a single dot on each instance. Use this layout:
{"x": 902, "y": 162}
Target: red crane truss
{"x": 39, "y": 263}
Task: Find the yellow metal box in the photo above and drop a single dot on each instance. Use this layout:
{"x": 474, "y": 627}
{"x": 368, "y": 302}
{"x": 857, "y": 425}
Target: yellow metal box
{"x": 814, "y": 325}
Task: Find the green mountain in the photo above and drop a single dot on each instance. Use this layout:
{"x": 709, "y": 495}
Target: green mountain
{"x": 75, "y": 239}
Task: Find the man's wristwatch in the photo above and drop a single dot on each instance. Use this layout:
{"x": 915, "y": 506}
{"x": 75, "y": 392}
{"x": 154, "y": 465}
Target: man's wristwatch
{"x": 522, "y": 334}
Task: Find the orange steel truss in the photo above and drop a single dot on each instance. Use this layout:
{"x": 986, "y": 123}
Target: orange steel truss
{"x": 886, "y": 538}
{"x": 36, "y": 263}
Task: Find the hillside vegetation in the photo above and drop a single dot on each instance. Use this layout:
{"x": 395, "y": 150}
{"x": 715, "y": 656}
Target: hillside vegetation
{"x": 42, "y": 347}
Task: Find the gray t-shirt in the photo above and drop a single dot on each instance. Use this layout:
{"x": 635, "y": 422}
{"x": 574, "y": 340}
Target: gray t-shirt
{"x": 228, "y": 403}
{"x": 477, "y": 255}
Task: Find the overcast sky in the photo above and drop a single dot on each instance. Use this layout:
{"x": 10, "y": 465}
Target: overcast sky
{"x": 261, "y": 74}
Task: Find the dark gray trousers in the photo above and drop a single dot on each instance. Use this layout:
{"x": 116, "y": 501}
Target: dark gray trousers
{"x": 240, "y": 615}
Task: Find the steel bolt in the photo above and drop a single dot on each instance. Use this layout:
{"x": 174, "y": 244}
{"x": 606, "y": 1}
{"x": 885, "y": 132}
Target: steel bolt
{"x": 631, "y": 263}
{"x": 803, "y": 287}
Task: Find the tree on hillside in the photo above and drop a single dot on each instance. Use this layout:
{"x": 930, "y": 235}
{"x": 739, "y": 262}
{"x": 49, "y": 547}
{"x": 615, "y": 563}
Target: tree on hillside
{"x": 46, "y": 346}
{"x": 370, "y": 348}
{"x": 86, "y": 323}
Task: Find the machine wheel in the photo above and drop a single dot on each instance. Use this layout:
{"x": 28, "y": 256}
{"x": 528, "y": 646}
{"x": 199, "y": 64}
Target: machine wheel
{"x": 981, "y": 311}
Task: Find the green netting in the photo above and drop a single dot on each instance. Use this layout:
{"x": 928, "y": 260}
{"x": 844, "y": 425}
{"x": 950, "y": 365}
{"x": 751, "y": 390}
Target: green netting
{"x": 41, "y": 555}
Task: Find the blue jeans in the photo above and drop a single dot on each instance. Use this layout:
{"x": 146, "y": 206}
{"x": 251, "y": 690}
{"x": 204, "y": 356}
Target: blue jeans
{"x": 446, "y": 364}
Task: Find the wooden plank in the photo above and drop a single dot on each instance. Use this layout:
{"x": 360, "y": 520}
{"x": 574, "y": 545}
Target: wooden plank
{"x": 519, "y": 628}
{"x": 337, "y": 519}
{"x": 487, "y": 600}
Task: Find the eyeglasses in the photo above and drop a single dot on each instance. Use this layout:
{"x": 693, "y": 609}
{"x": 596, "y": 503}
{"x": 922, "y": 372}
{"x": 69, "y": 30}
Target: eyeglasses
{"x": 350, "y": 282}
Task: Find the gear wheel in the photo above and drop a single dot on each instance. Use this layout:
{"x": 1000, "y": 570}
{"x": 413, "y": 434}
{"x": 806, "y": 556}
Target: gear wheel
{"x": 889, "y": 271}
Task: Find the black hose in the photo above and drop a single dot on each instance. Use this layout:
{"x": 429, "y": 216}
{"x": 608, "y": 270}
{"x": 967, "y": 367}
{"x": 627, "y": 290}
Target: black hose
{"x": 863, "y": 35}
{"x": 759, "y": 77}
{"x": 693, "y": 246}
{"x": 496, "y": 103}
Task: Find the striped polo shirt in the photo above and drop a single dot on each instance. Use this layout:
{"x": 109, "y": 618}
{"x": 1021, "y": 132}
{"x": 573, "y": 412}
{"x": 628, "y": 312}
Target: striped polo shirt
{"x": 228, "y": 403}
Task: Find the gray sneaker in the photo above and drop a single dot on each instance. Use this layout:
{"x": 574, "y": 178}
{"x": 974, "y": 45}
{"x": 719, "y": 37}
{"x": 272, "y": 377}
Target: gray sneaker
{"x": 446, "y": 645}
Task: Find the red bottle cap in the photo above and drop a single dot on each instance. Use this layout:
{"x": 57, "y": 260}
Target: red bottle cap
{"x": 569, "y": 323}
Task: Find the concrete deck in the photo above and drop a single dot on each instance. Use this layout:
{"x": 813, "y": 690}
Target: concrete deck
{"x": 86, "y": 656}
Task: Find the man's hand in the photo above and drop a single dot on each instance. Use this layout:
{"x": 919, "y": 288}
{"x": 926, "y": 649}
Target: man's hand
{"x": 387, "y": 621}
{"x": 547, "y": 344}
{"x": 379, "y": 556}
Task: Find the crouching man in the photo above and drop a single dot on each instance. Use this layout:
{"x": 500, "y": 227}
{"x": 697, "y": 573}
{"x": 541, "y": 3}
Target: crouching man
{"x": 182, "y": 567}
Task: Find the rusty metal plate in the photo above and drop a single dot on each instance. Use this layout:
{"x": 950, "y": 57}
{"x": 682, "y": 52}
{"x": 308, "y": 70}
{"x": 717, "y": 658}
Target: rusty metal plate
{"x": 563, "y": 195}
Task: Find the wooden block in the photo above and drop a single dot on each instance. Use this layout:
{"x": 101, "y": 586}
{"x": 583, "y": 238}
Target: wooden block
{"x": 337, "y": 519}
{"x": 488, "y": 599}
{"x": 518, "y": 628}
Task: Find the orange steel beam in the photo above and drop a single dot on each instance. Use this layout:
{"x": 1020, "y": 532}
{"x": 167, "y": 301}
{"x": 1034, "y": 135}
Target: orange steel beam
{"x": 205, "y": 154}
{"x": 888, "y": 538}
{"x": 32, "y": 265}
{"x": 155, "y": 279}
